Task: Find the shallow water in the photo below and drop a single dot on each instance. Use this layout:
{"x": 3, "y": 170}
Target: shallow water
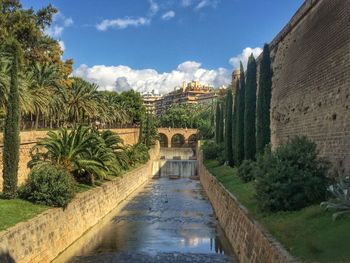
{"x": 166, "y": 221}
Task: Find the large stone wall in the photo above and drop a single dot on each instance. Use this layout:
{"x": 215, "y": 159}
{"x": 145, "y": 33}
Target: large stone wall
{"x": 29, "y": 138}
{"x": 311, "y": 82}
{"x": 251, "y": 242}
{"x": 45, "y": 236}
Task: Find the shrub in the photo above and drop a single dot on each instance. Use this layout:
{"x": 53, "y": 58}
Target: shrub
{"x": 247, "y": 170}
{"x": 214, "y": 151}
{"x": 340, "y": 203}
{"x": 137, "y": 154}
{"x": 294, "y": 177}
{"x": 48, "y": 185}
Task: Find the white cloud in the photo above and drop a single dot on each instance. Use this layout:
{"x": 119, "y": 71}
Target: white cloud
{"x": 122, "y": 23}
{"x": 234, "y": 61}
{"x": 206, "y": 3}
{"x": 186, "y": 3}
{"x": 121, "y": 78}
{"x": 61, "y": 43}
{"x": 153, "y": 8}
{"x": 60, "y": 22}
{"x": 168, "y": 15}
{"x": 54, "y": 31}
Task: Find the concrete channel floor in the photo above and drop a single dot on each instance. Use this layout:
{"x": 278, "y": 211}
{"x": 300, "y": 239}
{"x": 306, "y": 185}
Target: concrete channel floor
{"x": 167, "y": 221}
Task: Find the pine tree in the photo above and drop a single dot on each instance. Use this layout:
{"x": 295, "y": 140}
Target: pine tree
{"x": 263, "y": 133}
{"x": 217, "y": 122}
{"x": 250, "y": 110}
{"x": 240, "y": 116}
{"x": 228, "y": 127}
{"x": 12, "y": 129}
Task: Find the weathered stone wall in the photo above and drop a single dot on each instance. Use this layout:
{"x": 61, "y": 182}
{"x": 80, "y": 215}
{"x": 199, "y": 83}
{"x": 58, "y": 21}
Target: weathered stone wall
{"x": 45, "y": 236}
{"x": 251, "y": 242}
{"x": 29, "y": 138}
{"x": 311, "y": 82}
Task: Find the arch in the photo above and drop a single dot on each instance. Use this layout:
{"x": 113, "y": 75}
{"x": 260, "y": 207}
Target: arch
{"x": 163, "y": 140}
{"x": 178, "y": 140}
{"x": 192, "y": 140}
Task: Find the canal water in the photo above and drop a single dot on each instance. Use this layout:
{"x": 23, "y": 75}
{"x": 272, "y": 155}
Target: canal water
{"x": 165, "y": 221}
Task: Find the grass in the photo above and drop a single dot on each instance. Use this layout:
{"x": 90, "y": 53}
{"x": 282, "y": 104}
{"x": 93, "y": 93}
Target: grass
{"x": 17, "y": 210}
{"x": 309, "y": 234}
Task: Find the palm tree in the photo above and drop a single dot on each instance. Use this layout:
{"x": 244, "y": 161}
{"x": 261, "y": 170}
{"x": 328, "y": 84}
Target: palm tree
{"x": 80, "y": 151}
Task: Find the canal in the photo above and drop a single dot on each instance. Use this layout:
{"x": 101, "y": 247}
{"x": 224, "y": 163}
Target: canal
{"x": 164, "y": 221}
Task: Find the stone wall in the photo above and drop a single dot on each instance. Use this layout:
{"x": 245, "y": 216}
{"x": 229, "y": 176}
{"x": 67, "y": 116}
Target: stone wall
{"x": 251, "y": 242}
{"x": 311, "y": 82}
{"x": 42, "y": 238}
{"x": 29, "y": 139}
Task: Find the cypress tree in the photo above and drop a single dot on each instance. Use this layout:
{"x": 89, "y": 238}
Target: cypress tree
{"x": 240, "y": 116}
{"x": 12, "y": 129}
{"x": 221, "y": 124}
{"x": 263, "y": 133}
{"x": 250, "y": 110}
{"x": 234, "y": 124}
{"x": 228, "y": 127}
{"x": 217, "y": 122}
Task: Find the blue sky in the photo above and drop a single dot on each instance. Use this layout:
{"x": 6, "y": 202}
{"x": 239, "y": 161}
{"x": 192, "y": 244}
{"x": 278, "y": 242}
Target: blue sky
{"x": 157, "y": 44}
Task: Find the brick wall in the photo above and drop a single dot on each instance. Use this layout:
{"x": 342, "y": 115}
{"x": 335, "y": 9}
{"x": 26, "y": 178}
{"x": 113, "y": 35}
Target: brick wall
{"x": 311, "y": 82}
{"x": 29, "y": 138}
{"x": 42, "y": 238}
{"x": 251, "y": 242}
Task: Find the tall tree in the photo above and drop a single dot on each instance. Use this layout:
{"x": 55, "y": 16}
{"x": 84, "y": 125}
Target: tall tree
{"x": 221, "y": 123}
{"x": 12, "y": 127}
{"x": 228, "y": 127}
{"x": 250, "y": 110}
{"x": 263, "y": 132}
{"x": 217, "y": 122}
{"x": 234, "y": 124}
{"x": 240, "y": 116}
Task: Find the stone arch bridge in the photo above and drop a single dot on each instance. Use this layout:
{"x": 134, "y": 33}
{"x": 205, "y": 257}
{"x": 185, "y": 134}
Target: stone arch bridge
{"x": 177, "y": 137}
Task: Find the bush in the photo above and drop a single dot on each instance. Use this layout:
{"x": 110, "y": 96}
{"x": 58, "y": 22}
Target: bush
{"x": 247, "y": 170}
{"x": 137, "y": 154}
{"x": 293, "y": 177}
{"x": 48, "y": 185}
{"x": 213, "y": 151}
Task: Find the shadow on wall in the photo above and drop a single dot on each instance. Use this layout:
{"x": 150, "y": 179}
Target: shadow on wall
{"x": 5, "y": 257}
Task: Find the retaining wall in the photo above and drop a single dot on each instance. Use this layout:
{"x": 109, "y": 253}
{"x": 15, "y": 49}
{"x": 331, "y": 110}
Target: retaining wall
{"x": 42, "y": 238}
{"x": 29, "y": 139}
{"x": 251, "y": 242}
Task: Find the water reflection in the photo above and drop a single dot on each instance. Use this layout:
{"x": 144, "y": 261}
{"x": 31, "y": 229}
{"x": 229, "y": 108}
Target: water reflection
{"x": 165, "y": 216}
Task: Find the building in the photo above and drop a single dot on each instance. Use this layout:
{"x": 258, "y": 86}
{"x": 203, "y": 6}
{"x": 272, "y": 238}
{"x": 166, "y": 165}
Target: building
{"x": 235, "y": 78}
{"x": 149, "y": 100}
{"x": 212, "y": 97}
{"x": 188, "y": 93}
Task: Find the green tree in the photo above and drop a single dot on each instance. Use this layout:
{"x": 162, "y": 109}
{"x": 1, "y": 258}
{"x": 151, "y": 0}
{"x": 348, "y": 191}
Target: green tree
{"x": 228, "y": 127}
{"x": 263, "y": 133}
{"x": 234, "y": 124}
{"x": 12, "y": 129}
{"x": 240, "y": 117}
{"x": 133, "y": 103}
{"x": 217, "y": 122}
{"x": 250, "y": 110}
{"x": 221, "y": 123}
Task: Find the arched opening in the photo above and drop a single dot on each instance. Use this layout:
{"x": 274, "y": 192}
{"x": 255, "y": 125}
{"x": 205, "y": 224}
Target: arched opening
{"x": 192, "y": 140}
{"x": 178, "y": 140}
{"x": 163, "y": 140}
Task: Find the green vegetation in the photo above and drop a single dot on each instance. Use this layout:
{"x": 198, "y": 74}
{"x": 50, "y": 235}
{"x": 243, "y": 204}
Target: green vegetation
{"x": 195, "y": 116}
{"x": 250, "y": 110}
{"x": 217, "y": 123}
{"x": 228, "y": 127}
{"x": 239, "y": 130}
{"x": 148, "y": 131}
{"x": 11, "y": 131}
{"x": 292, "y": 177}
{"x": 48, "y": 185}
{"x": 17, "y": 210}
{"x": 263, "y": 132}
{"x": 309, "y": 234}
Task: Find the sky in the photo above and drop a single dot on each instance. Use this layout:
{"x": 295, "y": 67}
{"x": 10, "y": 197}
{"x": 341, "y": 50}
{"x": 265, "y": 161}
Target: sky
{"x": 155, "y": 45}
